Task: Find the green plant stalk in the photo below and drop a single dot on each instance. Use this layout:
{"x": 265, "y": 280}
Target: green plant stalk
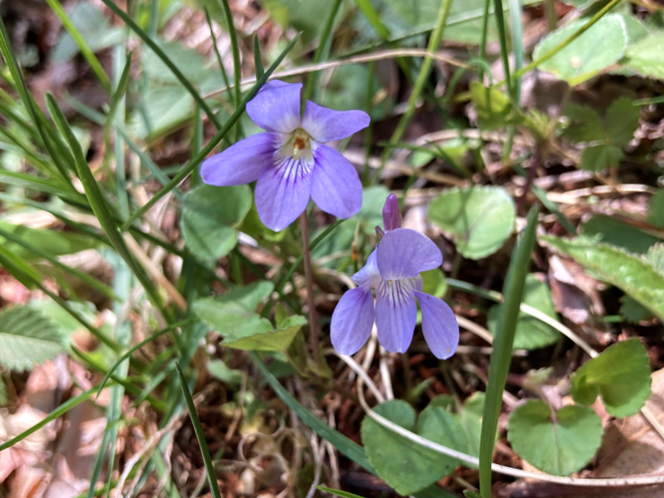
{"x": 118, "y": 104}
{"x": 85, "y": 49}
{"x": 216, "y": 51}
{"x": 237, "y": 68}
{"x": 28, "y": 102}
{"x": 200, "y": 435}
{"x": 484, "y": 37}
{"x": 84, "y": 277}
{"x": 221, "y": 134}
{"x": 320, "y": 50}
{"x": 434, "y": 42}
{"x": 516, "y": 27}
{"x": 502, "y": 347}
{"x": 154, "y": 18}
{"x": 502, "y": 37}
{"x": 165, "y": 59}
{"x": 99, "y": 206}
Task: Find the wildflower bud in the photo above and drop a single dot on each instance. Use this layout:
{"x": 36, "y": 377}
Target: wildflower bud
{"x": 391, "y": 213}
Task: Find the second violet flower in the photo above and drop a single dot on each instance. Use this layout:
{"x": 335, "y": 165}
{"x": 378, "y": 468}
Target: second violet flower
{"x": 393, "y": 271}
{"x": 290, "y": 161}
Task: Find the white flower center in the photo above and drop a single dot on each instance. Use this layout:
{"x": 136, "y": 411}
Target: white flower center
{"x": 297, "y": 146}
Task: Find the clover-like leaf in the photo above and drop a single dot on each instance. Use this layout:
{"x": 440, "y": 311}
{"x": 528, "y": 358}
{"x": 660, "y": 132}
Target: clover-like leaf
{"x": 479, "y": 218}
{"x": 646, "y": 57}
{"x": 27, "y": 338}
{"x": 531, "y": 333}
{"x": 493, "y": 107}
{"x": 620, "y": 375}
{"x": 622, "y": 120}
{"x": 602, "y": 45}
{"x": 557, "y": 443}
{"x": 600, "y": 157}
{"x": 209, "y": 217}
{"x": 406, "y": 466}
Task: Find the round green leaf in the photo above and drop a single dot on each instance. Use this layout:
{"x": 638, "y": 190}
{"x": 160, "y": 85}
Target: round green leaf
{"x": 557, "y": 443}
{"x": 479, "y": 218}
{"x": 602, "y": 45}
{"x": 209, "y": 215}
{"x": 620, "y": 375}
{"x": 531, "y": 333}
{"x": 404, "y": 465}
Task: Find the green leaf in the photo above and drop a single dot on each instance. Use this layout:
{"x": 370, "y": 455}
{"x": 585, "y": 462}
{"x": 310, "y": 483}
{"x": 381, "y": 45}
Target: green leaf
{"x": 470, "y": 419}
{"x": 584, "y": 124}
{"x": 269, "y": 340}
{"x": 620, "y": 375}
{"x": 656, "y": 209}
{"x": 306, "y": 16}
{"x": 646, "y": 57}
{"x": 228, "y": 376}
{"x": 471, "y": 494}
{"x": 633, "y": 311}
{"x": 602, "y": 45}
{"x": 617, "y": 233}
{"x": 655, "y": 257}
{"x": 3, "y": 392}
{"x": 338, "y": 492}
{"x": 600, "y": 157}
{"x": 531, "y": 333}
{"x": 493, "y": 107}
{"x": 26, "y": 339}
{"x": 479, "y": 218}
{"x": 54, "y": 242}
{"x": 93, "y": 27}
{"x": 433, "y": 282}
{"x": 209, "y": 217}
{"x": 405, "y": 466}
{"x": 628, "y": 272}
{"x": 622, "y": 120}
{"x": 557, "y": 443}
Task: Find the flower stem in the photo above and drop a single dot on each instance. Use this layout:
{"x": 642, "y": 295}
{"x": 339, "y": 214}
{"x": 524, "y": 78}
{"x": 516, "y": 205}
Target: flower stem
{"x": 313, "y": 330}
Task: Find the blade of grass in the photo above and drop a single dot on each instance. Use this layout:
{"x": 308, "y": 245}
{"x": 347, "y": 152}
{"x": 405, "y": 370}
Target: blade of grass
{"x": 237, "y": 68}
{"x": 216, "y": 51}
{"x": 58, "y": 412}
{"x": 484, "y": 37}
{"x": 81, "y": 275}
{"x": 138, "y": 346}
{"x": 221, "y": 134}
{"x": 165, "y": 59}
{"x": 121, "y": 86}
{"x": 258, "y": 61}
{"x": 321, "y": 50}
{"x": 516, "y": 27}
{"x": 502, "y": 39}
{"x": 200, "y": 435}
{"x": 502, "y": 347}
{"x": 120, "y": 83}
{"x": 85, "y": 49}
{"x": 422, "y": 77}
{"x": 91, "y": 361}
{"x": 99, "y": 206}
{"x": 28, "y": 102}
{"x": 349, "y": 448}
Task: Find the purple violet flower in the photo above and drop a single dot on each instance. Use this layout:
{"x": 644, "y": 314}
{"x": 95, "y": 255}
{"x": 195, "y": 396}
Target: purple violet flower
{"x": 393, "y": 270}
{"x": 290, "y": 161}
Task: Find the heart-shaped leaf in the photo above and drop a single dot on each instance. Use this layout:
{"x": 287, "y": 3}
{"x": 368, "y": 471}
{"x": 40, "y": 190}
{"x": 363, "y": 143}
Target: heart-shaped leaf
{"x": 602, "y": 45}
{"x": 531, "y": 333}
{"x": 406, "y": 466}
{"x": 479, "y": 218}
{"x": 620, "y": 375}
{"x": 209, "y": 217}
{"x": 557, "y": 443}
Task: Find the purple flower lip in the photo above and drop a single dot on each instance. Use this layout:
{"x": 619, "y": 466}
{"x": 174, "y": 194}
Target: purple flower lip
{"x": 290, "y": 160}
{"x": 393, "y": 271}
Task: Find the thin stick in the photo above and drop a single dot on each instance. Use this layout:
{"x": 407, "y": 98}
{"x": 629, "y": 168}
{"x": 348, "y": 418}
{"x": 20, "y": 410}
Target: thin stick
{"x": 313, "y": 330}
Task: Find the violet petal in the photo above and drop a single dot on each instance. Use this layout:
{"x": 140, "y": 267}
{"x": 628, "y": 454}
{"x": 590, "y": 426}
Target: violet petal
{"x": 325, "y": 125}
{"x": 352, "y": 320}
{"x": 276, "y": 107}
{"x": 439, "y": 325}
{"x": 336, "y": 186}
{"x": 396, "y": 314}
{"x": 404, "y": 253}
{"x": 391, "y": 213}
{"x": 369, "y": 274}
{"x": 282, "y": 192}
{"x": 242, "y": 162}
